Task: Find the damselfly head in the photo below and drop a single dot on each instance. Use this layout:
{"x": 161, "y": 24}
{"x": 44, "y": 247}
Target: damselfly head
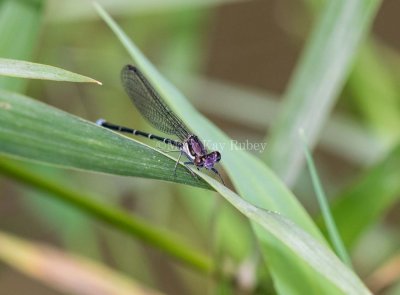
{"x": 211, "y": 158}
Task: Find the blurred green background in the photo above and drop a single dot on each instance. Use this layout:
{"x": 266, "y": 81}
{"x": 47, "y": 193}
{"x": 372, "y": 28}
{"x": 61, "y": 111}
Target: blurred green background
{"x": 233, "y": 60}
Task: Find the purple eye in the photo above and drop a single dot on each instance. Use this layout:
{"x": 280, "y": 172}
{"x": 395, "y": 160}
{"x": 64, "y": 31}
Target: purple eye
{"x": 217, "y": 156}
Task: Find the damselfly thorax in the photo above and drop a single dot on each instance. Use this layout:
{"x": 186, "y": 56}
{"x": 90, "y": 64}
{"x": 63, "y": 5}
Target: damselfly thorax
{"x": 198, "y": 154}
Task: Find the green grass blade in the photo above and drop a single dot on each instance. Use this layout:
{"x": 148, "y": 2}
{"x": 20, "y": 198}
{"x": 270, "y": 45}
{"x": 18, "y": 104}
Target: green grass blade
{"x": 24, "y": 69}
{"x": 127, "y": 223}
{"x": 325, "y": 210}
{"x": 317, "y": 81}
{"x": 19, "y": 29}
{"x": 32, "y": 130}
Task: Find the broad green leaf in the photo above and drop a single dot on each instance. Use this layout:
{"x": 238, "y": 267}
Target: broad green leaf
{"x": 24, "y": 69}
{"x": 32, "y": 130}
{"x": 317, "y": 81}
{"x": 65, "y": 272}
{"x": 19, "y": 29}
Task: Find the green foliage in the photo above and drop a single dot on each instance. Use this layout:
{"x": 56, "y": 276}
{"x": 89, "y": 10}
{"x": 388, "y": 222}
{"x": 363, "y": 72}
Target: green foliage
{"x": 289, "y": 253}
{"x": 317, "y": 81}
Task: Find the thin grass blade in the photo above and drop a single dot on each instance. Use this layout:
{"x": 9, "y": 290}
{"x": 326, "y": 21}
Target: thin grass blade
{"x": 24, "y": 69}
{"x": 324, "y": 207}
